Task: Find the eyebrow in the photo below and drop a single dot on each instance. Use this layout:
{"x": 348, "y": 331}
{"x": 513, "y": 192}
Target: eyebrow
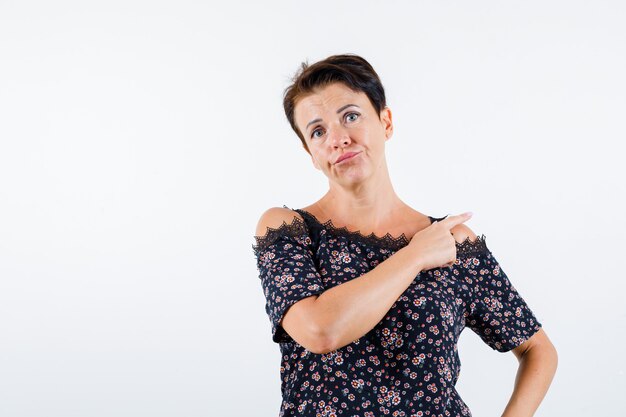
{"x": 342, "y": 108}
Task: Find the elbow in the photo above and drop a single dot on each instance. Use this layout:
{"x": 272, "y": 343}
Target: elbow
{"x": 310, "y": 336}
{"x": 321, "y": 329}
{"x": 552, "y": 362}
{"x": 324, "y": 347}
{"x": 307, "y": 327}
{"x": 322, "y": 344}
{"x": 322, "y": 341}
{"x": 555, "y": 358}
{"x": 547, "y": 354}
{"x": 553, "y": 355}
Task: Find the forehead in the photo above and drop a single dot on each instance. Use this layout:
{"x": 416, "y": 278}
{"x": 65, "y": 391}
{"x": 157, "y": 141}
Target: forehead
{"x": 328, "y": 99}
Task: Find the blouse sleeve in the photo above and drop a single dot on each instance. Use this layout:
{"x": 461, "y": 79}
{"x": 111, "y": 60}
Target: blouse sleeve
{"x": 287, "y": 271}
{"x": 497, "y": 312}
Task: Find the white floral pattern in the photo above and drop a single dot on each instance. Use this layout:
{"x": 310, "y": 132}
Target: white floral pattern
{"x": 408, "y": 364}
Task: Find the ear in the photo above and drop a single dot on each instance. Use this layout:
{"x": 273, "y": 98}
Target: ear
{"x": 385, "y": 117}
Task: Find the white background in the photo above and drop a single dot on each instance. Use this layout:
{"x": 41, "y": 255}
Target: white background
{"x": 141, "y": 141}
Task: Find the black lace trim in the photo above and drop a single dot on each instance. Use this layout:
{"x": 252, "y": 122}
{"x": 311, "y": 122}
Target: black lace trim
{"x": 465, "y": 248}
{"x": 297, "y": 227}
{"x": 470, "y": 248}
{"x": 386, "y": 241}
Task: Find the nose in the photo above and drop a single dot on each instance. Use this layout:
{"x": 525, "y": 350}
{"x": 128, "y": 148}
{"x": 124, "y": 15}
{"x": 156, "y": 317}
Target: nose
{"x": 339, "y": 137}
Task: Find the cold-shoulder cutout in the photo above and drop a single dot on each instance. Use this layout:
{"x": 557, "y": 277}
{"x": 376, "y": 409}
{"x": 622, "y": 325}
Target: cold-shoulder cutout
{"x": 276, "y": 221}
{"x": 286, "y": 266}
{"x": 467, "y": 242}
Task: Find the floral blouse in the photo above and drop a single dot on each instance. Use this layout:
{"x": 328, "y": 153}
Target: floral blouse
{"x": 408, "y": 364}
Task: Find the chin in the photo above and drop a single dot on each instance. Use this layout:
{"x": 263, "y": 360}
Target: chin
{"x": 352, "y": 176}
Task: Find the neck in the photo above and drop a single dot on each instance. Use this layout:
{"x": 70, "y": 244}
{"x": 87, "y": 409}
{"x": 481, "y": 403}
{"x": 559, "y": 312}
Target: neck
{"x": 367, "y": 205}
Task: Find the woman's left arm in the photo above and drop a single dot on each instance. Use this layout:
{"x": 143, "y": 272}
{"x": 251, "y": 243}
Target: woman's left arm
{"x": 537, "y": 356}
{"x": 538, "y": 361}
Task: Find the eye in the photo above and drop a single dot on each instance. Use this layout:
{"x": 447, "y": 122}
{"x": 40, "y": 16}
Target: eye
{"x": 314, "y": 133}
{"x": 350, "y": 118}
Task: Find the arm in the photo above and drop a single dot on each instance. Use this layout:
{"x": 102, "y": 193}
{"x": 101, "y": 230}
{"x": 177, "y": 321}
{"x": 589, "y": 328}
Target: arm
{"x": 334, "y": 318}
{"x": 348, "y": 311}
{"x": 337, "y": 316}
{"x": 537, "y": 365}
{"x": 538, "y": 361}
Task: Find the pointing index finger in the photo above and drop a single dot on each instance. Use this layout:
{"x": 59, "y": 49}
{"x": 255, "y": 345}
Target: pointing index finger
{"x": 452, "y": 221}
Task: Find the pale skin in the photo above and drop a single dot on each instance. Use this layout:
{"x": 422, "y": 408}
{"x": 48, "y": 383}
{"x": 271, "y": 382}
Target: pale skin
{"x": 335, "y": 120}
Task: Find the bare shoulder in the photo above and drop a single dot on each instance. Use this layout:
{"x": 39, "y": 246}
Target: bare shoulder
{"x": 273, "y": 218}
{"x": 462, "y": 232}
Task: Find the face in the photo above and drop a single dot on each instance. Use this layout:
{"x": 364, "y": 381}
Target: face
{"x": 335, "y": 120}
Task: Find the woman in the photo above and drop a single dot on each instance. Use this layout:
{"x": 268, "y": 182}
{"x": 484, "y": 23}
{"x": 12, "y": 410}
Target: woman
{"x": 367, "y": 319}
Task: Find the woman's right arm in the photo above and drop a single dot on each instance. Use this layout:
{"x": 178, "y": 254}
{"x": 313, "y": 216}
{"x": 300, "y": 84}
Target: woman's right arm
{"x": 346, "y": 312}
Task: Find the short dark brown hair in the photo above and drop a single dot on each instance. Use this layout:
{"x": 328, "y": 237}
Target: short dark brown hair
{"x": 349, "y": 69}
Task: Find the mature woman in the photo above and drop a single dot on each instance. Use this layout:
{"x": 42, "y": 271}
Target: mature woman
{"x": 366, "y": 296}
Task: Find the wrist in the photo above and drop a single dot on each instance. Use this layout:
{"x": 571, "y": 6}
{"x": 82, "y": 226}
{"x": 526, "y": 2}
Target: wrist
{"x": 414, "y": 258}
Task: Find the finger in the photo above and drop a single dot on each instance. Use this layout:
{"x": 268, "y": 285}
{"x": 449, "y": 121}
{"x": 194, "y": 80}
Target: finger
{"x": 452, "y": 221}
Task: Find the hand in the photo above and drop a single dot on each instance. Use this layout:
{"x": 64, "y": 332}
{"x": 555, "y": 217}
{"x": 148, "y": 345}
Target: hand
{"x": 435, "y": 246}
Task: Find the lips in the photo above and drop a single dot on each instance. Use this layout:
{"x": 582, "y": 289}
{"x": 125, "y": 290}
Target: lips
{"x": 345, "y": 156}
